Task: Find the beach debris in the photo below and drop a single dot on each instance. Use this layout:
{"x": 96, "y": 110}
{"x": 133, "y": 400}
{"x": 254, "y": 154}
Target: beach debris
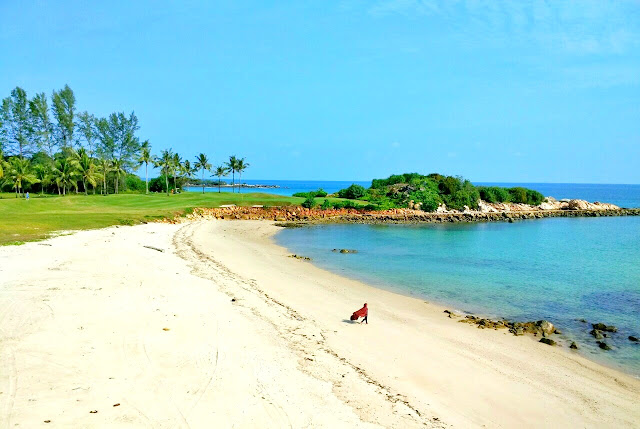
{"x": 603, "y": 345}
{"x": 547, "y": 341}
{"x": 166, "y": 329}
{"x": 116, "y": 405}
{"x": 596, "y": 334}
{"x": 634, "y": 339}
{"x": 345, "y": 250}
{"x": 603, "y": 327}
{"x": 93, "y": 412}
{"x": 47, "y": 421}
{"x": 573, "y": 345}
{"x": 154, "y": 248}
{"x": 304, "y": 258}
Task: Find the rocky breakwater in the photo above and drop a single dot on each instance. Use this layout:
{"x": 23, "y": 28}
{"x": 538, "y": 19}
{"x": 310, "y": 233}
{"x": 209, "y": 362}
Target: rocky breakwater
{"x": 290, "y": 216}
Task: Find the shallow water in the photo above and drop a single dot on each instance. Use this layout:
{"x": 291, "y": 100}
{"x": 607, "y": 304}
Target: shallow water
{"x": 560, "y": 269}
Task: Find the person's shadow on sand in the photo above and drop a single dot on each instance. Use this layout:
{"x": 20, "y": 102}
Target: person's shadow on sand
{"x": 351, "y": 322}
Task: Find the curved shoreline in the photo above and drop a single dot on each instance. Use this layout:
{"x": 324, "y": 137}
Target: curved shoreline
{"x": 495, "y": 363}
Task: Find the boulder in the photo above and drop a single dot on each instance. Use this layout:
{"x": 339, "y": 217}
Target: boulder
{"x": 548, "y": 341}
{"x": 596, "y": 334}
{"x": 573, "y": 345}
{"x": 634, "y": 339}
{"x": 603, "y": 327}
{"x": 603, "y": 345}
{"x": 546, "y": 327}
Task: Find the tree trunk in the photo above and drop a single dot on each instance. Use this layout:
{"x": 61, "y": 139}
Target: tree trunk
{"x": 84, "y": 186}
{"x": 239, "y": 182}
{"x": 203, "y": 180}
{"x": 219, "y": 178}
{"x": 146, "y": 173}
{"x": 116, "y": 185}
{"x": 166, "y": 182}
{"x": 233, "y": 181}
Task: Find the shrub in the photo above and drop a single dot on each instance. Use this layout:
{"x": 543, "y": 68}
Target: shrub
{"x": 134, "y": 183}
{"x": 353, "y": 192}
{"x": 518, "y": 195}
{"x": 326, "y": 205}
{"x": 309, "y": 203}
{"x": 320, "y": 193}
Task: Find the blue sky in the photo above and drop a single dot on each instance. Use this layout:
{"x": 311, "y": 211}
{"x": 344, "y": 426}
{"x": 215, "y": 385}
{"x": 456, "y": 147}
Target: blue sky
{"x": 517, "y": 91}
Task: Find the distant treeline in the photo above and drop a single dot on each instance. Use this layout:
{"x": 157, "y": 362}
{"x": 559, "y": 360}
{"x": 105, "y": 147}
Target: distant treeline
{"x": 51, "y": 147}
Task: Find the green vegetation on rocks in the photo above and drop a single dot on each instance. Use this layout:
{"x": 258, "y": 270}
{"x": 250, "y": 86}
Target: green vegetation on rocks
{"x": 428, "y": 192}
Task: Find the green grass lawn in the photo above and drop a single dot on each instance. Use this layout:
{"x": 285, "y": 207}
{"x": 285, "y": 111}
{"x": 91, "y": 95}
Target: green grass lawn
{"x": 22, "y": 220}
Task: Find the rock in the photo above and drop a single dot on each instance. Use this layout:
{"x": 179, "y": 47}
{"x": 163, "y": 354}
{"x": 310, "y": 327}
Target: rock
{"x": 582, "y": 321}
{"x": 345, "y": 251}
{"x": 518, "y": 332}
{"x": 634, "y": 339}
{"x": 548, "y": 341}
{"x": 545, "y": 326}
{"x": 557, "y": 332}
{"x": 596, "y": 334}
{"x": 603, "y": 346}
{"x": 603, "y": 327}
{"x": 573, "y": 345}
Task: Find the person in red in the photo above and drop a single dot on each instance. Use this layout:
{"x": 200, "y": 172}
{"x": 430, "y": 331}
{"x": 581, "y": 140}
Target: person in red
{"x": 363, "y": 312}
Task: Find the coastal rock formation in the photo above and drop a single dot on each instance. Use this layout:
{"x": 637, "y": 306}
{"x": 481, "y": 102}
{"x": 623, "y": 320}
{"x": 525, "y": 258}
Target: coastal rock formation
{"x": 603, "y": 345}
{"x": 548, "y": 341}
{"x": 296, "y": 216}
{"x": 345, "y": 250}
{"x": 603, "y": 327}
{"x": 573, "y": 345}
{"x": 634, "y": 339}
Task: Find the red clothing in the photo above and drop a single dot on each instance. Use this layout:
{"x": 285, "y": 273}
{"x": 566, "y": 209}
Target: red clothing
{"x": 363, "y": 312}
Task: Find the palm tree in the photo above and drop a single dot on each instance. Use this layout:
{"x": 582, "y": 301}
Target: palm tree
{"x": 146, "y": 158}
{"x": 104, "y": 165}
{"x": 241, "y": 166}
{"x": 117, "y": 166}
{"x": 231, "y": 165}
{"x": 202, "y": 163}
{"x": 86, "y": 169}
{"x": 165, "y": 161}
{"x": 43, "y": 174}
{"x": 19, "y": 173}
{"x": 221, "y": 171}
{"x": 176, "y": 165}
{"x": 65, "y": 173}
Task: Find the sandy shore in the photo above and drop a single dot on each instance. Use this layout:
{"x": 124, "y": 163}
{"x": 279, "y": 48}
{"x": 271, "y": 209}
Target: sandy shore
{"x": 222, "y": 329}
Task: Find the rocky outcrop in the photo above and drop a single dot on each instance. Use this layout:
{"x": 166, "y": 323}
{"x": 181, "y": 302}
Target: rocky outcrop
{"x": 297, "y": 216}
{"x": 548, "y": 341}
{"x": 345, "y": 250}
{"x": 603, "y": 327}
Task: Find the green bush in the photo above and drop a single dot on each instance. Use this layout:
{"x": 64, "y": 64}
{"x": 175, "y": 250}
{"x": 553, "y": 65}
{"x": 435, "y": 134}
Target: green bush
{"x": 518, "y": 195}
{"x": 309, "y": 203}
{"x": 134, "y": 183}
{"x": 353, "y": 192}
{"x": 326, "y": 205}
{"x": 320, "y": 193}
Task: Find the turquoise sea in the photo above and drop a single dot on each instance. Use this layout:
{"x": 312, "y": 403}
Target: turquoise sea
{"x": 560, "y": 269}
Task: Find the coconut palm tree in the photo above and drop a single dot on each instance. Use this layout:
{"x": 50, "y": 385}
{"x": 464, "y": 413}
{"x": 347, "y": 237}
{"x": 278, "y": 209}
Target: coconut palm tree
{"x": 86, "y": 170}
{"x": 176, "y": 165}
{"x": 43, "y": 174}
{"x": 65, "y": 173}
{"x": 202, "y": 163}
{"x": 146, "y": 158}
{"x": 231, "y": 165}
{"x": 19, "y": 173}
{"x": 221, "y": 171}
{"x": 117, "y": 166}
{"x": 241, "y": 166}
{"x": 165, "y": 162}
{"x": 104, "y": 166}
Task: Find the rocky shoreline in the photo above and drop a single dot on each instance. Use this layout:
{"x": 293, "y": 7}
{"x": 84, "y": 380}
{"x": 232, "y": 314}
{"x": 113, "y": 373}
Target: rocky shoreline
{"x": 293, "y": 216}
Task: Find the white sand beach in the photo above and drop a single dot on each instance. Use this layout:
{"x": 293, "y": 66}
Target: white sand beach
{"x": 222, "y": 329}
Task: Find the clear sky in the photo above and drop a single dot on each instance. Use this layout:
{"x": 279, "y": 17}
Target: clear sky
{"x": 509, "y": 91}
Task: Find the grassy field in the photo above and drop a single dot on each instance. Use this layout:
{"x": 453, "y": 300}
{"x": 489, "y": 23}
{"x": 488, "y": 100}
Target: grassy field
{"x": 22, "y": 220}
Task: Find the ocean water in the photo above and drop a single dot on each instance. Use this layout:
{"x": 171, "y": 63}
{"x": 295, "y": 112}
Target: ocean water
{"x": 559, "y": 269}
{"x": 622, "y": 195}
